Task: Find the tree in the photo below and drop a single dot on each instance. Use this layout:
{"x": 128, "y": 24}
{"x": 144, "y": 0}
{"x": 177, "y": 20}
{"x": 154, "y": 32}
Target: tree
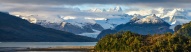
{"x": 128, "y": 41}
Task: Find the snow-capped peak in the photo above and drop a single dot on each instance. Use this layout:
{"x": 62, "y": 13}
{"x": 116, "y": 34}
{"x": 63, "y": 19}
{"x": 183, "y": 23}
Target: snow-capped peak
{"x": 136, "y": 17}
{"x": 115, "y": 9}
{"x": 118, "y": 8}
{"x": 150, "y": 19}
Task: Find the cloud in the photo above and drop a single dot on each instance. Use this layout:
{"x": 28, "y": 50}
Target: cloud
{"x": 45, "y": 11}
{"x": 53, "y": 8}
{"x": 152, "y": 3}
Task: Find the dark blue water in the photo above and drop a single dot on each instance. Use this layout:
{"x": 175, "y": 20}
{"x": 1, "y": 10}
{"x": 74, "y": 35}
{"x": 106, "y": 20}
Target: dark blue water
{"x": 45, "y": 44}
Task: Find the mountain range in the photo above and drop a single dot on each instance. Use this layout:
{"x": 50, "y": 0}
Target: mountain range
{"x": 15, "y": 29}
{"x": 148, "y": 25}
{"x": 96, "y": 20}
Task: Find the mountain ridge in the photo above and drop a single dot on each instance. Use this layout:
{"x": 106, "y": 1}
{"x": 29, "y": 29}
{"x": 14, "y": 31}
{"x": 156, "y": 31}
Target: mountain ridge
{"x": 141, "y": 28}
{"x": 14, "y": 29}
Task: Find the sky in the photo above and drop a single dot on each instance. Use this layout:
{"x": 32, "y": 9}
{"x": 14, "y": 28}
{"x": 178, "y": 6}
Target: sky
{"x": 52, "y": 8}
{"x": 86, "y": 4}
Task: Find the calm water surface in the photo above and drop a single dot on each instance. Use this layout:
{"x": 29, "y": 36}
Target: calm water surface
{"x": 45, "y": 44}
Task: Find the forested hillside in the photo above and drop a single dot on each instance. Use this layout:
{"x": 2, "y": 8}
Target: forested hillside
{"x": 167, "y": 42}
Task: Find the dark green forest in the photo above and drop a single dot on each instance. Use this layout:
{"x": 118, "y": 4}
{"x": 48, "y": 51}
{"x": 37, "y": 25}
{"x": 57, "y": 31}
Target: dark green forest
{"x": 178, "y": 41}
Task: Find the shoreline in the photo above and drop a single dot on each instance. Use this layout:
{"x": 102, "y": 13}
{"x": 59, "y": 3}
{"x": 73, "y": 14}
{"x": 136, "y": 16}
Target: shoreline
{"x": 60, "y": 48}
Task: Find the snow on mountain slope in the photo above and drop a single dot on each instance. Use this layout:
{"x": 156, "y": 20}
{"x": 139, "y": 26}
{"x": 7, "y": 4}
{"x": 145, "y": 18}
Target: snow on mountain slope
{"x": 107, "y": 23}
{"x": 175, "y": 14}
{"x": 179, "y": 22}
{"x": 161, "y": 12}
{"x": 136, "y": 17}
{"x": 87, "y": 20}
{"x": 114, "y": 20}
{"x": 150, "y": 19}
{"x": 176, "y": 17}
{"x": 94, "y": 34}
{"x": 79, "y": 21}
{"x": 172, "y": 16}
{"x": 81, "y": 24}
